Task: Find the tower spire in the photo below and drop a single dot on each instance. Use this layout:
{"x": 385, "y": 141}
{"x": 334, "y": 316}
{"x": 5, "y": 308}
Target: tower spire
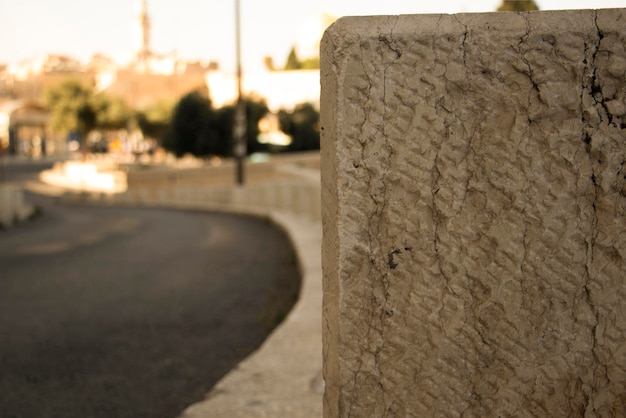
{"x": 144, "y": 25}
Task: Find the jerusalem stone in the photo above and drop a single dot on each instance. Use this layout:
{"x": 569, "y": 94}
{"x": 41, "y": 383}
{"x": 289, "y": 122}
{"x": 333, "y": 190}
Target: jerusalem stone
{"x": 474, "y": 199}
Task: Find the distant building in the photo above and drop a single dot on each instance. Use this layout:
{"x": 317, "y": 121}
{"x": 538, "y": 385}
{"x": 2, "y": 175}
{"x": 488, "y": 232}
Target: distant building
{"x": 146, "y": 61}
{"x": 147, "y": 79}
{"x": 279, "y": 89}
{"x": 142, "y": 90}
{"x": 144, "y": 54}
{"x": 23, "y": 129}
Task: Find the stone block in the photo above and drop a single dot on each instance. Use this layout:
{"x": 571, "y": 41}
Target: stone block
{"x": 474, "y": 238}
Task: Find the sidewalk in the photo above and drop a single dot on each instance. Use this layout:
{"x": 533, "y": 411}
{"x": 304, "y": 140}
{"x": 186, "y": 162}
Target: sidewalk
{"x": 283, "y": 378}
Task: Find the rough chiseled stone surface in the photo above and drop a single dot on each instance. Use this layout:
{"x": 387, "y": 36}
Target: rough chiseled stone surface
{"x": 474, "y": 183}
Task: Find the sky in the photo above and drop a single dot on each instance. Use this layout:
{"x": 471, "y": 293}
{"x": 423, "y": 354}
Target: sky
{"x": 201, "y": 30}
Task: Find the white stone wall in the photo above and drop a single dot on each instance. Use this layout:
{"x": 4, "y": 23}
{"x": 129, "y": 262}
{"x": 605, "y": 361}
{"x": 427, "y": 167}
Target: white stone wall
{"x": 280, "y": 89}
{"x": 473, "y": 202}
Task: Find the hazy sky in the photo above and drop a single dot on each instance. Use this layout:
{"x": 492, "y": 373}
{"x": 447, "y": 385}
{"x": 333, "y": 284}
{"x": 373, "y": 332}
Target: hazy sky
{"x": 198, "y": 29}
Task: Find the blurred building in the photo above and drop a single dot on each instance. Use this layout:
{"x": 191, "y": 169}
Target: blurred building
{"x": 24, "y": 131}
{"x": 148, "y": 78}
{"x": 279, "y": 89}
{"x": 29, "y": 80}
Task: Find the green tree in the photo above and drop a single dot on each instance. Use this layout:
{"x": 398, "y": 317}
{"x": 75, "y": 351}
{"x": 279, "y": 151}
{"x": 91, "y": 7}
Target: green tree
{"x": 154, "y": 121}
{"x": 256, "y": 109}
{"x": 223, "y": 127}
{"x": 517, "y": 6}
{"x": 71, "y": 108}
{"x": 302, "y": 124}
{"x": 293, "y": 63}
{"x": 111, "y": 112}
{"x": 76, "y": 110}
{"x": 310, "y": 64}
{"x": 190, "y": 131}
{"x": 197, "y": 128}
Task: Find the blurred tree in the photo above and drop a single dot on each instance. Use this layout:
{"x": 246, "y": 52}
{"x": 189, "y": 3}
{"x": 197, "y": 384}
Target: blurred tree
{"x": 293, "y": 63}
{"x": 269, "y": 63}
{"x": 71, "y": 108}
{"x": 302, "y": 124}
{"x": 310, "y": 64}
{"x": 224, "y": 122}
{"x": 189, "y": 131}
{"x": 517, "y": 6}
{"x": 111, "y": 112}
{"x": 154, "y": 121}
{"x": 199, "y": 129}
{"x": 77, "y": 111}
{"x": 256, "y": 109}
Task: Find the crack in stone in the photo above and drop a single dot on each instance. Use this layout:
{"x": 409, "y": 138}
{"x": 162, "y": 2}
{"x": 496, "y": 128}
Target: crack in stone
{"x": 437, "y": 215}
{"x": 463, "y": 40}
{"x": 377, "y": 191}
{"x": 523, "y": 40}
{"x": 596, "y": 87}
{"x": 593, "y": 90}
{"x": 530, "y": 73}
{"x": 391, "y": 44}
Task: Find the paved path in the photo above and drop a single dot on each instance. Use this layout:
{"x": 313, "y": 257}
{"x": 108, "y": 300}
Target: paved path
{"x": 114, "y": 312}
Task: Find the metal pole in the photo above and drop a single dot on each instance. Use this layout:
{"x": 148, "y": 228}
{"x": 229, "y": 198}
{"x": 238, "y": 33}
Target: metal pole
{"x": 239, "y": 130}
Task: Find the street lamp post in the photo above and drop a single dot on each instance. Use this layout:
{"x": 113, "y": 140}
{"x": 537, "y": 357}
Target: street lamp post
{"x": 239, "y": 130}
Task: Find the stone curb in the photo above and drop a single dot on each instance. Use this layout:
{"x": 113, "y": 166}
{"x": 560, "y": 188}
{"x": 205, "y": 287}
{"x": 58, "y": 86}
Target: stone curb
{"x": 283, "y": 378}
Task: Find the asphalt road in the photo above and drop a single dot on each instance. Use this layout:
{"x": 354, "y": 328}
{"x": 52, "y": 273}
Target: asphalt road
{"x": 122, "y": 312}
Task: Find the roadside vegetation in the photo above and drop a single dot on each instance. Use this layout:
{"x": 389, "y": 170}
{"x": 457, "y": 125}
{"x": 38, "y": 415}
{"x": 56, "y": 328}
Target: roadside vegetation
{"x": 517, "y": 6}
{"x": 191, "y": 126}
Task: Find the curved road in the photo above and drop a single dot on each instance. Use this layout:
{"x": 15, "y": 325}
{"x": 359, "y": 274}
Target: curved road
{"x": 121, "y": 312}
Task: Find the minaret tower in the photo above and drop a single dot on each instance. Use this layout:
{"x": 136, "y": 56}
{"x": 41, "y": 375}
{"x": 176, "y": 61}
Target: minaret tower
{"x": 144, "y": 53}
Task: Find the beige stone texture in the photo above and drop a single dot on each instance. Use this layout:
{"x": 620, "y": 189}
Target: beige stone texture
{"x": 474, "y": 237}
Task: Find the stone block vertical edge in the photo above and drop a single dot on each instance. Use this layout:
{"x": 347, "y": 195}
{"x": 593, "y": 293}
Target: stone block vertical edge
{"x": 328, "y": 166}
{"x": 338, "y": 43}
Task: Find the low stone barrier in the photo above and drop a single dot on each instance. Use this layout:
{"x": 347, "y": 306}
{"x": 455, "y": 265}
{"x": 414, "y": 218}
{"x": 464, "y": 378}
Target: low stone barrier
{"x": 85, "y": 177}
{"x": 13, "y": 207}
{"x": 297, "y": 193}
{"x": 474, "y": 202}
